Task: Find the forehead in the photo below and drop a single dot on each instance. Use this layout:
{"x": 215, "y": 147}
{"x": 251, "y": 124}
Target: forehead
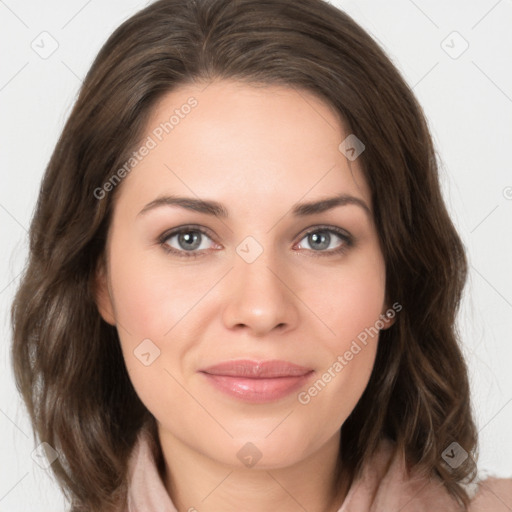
{"x": 245, "y": 144}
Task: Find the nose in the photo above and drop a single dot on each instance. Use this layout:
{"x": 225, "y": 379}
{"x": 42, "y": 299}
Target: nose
{"x": 260, "y": 296}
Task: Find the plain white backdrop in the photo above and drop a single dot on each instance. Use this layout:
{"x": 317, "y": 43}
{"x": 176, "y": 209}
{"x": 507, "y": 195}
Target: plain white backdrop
{"x": 456, "y": 55}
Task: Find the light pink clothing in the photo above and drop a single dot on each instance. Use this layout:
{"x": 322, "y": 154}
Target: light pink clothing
{"x": 382, "y": 487}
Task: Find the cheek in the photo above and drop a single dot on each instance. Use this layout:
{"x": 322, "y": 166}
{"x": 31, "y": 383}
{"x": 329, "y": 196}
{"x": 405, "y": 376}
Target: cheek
{"x": 349, "y": 304}
{"x": 150, "y": 297}
{"x": 148, "y": 304}
{"x": 347, "y": 299}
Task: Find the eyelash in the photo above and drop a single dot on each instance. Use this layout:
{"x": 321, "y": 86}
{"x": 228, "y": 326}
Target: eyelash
{"x": 345, "y": 237}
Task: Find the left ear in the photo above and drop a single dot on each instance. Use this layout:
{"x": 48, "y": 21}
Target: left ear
{"x": 388, "y": 317}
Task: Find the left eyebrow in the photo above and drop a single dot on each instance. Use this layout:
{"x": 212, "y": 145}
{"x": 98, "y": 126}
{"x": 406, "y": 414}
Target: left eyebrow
{"x": 323, "y": 205}
{"x": 209, "y": 207}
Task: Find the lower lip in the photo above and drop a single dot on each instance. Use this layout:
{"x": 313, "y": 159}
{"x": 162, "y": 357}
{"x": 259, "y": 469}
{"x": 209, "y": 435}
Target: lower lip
{"x": 257, "y": 390}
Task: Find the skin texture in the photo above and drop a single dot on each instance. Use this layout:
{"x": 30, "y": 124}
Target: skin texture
{"x": 258, "y": 151}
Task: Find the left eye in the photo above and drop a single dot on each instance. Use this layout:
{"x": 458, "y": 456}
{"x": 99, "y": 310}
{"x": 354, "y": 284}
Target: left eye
{"x": 325, "y": 239}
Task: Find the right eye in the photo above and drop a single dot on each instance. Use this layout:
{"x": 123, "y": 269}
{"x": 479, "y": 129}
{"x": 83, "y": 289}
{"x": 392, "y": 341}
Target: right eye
{"x": 186, "y": 241}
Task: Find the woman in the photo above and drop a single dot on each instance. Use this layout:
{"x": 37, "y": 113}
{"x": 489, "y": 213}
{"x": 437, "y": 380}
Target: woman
{"x": 243, "y": 280}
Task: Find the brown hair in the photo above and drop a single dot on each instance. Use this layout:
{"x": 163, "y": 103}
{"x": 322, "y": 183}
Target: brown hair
{"x": 67, "y": 361}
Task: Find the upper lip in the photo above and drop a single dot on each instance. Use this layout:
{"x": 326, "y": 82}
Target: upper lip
{"x": 257, "y": 369}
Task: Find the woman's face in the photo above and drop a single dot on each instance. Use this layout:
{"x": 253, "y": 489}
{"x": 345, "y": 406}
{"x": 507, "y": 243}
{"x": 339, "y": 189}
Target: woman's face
{"x": 255, "y": 279}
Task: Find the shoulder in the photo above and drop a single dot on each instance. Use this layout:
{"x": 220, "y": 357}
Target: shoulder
{"x": 385, "y": 483}
{"x": 492, "y": 494}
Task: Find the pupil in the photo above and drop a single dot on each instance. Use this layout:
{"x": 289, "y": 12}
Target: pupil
{"x": 189, "y": 240}
{"x": 320, "y": 241}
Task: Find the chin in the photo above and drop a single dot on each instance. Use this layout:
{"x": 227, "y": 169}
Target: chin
{"x": 274, "y": 451}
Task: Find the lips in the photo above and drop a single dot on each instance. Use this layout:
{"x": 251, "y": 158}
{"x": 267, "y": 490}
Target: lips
{"x": 255, "y": 369}
{"x": 257, "y": 381}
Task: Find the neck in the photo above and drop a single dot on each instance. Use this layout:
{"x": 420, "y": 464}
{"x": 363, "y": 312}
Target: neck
{"x": 196, "y": 482}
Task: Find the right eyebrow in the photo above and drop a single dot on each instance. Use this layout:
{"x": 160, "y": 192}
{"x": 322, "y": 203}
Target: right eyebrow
{"x": 190, "y": 203}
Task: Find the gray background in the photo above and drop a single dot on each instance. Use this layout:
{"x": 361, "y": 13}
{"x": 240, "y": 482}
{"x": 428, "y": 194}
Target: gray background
{"x": 466, "y": 95}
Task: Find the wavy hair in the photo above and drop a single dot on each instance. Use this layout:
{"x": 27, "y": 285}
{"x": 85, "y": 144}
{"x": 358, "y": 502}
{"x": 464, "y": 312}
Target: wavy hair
{"x": 67, "y": 360}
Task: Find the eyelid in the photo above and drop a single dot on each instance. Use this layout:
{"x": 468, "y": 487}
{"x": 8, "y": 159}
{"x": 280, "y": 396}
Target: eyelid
{"x": 347, "y": 238}
{"x": 186, "y": 227}
{"x": 325, "y": 227}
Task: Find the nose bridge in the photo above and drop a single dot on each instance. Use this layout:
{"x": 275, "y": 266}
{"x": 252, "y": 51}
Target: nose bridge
{"x": 257, "y": 297}
{"x": 253, "y": 265}
{"x": 253, "y": 274}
